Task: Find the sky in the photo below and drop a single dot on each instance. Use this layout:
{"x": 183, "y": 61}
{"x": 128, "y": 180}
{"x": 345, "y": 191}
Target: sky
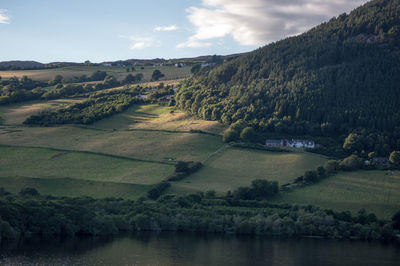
{"x": 105, "y": 30}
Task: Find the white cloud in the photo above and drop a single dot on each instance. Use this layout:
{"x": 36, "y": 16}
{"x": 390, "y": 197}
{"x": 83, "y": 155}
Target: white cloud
{"x": 142, "y": 42}
{"x": 166, "y": 28}
{"x": 193, "y": 43}
{"x": 4, "y": 18}
{"x": 258, "y": 22}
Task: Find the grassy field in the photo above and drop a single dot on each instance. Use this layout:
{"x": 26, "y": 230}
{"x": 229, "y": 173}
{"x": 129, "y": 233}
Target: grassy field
{"x": 64, "y": 173}
{"x": 15, "y": 114}
{"x": 233, "y": 167}
{"x": 48, "y": 163}
{"x": 143, "y": 144}
{"x": 375, "y": 191}
{"x": 71, "y": 187}
{"x": 154, "y": 116}
{"x": 170, "y": 72}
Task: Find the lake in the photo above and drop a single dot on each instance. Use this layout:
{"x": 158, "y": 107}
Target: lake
{"x": 194, "y": 249}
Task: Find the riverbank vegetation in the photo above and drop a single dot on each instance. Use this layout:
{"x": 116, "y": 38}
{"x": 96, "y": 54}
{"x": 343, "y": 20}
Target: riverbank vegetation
{"x": 30, "y": 214}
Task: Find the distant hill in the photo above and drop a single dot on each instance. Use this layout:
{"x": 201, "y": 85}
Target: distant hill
{"x": 341, "y": 75}
{"x": 158, "y": 61}
{"x": 29, "y": 65}
{"x": 5, "y": 65}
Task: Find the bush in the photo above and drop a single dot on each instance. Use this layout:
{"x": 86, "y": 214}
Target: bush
{"x": 310, "y": 176}
{"x": 396, "y": 221}
{"x": 260, "y": 189}
{"x": 351, "y": 163}
{"x": 331, "y": 166}
{"x": 230, "y": 135}
{"x": 183, "y": 169}
{"x": 321, "y": 172}
{"x": 29, "y": 192}
{"x": 157, "y": 190}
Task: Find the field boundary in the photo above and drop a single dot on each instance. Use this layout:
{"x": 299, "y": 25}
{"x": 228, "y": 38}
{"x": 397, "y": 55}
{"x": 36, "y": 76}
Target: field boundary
{"x": 92, "y": 153}
{"x": 146, "y": 130}
{"x": 224, "y": 147}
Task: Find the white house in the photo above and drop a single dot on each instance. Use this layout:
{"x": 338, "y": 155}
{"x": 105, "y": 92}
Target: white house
{"x": 142, "y": 96}
{"x": 294, "y": 143}
{"x": 299, "y": 143}
{"x": 273, "y": 143}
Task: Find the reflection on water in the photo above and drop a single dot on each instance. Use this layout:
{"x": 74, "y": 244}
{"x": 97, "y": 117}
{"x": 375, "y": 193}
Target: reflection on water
{"x": 194, "y": 249}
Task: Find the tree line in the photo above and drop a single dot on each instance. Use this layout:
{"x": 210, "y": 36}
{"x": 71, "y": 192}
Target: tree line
{"x": 31, "y": 214}
{"x": 339, "y": 77}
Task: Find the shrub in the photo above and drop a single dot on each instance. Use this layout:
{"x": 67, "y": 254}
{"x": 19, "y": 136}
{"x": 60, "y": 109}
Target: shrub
{"x": 351, "y": 163}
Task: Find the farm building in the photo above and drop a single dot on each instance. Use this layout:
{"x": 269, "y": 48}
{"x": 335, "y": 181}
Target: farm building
{"x": 381, "y": 160}
{"x": 273, "y": 143}
{"x": 294, "y": 143}
{"x": 299, "y": 143}
{"x": 142, "y": 96}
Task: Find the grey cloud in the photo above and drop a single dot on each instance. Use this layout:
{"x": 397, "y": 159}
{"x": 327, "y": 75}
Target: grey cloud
{"x": 258, "y": 22}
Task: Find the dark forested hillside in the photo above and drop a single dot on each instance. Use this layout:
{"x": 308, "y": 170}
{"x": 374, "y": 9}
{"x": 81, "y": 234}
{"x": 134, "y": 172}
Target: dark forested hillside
{"x": 337, "y": 77}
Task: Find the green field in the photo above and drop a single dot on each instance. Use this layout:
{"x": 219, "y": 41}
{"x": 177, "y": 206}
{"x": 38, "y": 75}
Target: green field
{"x": 170, "y": 72}
{"x": 40, "y": 162}
{"x": 234, "y": 167}
{"x": 154, "y": 116}
{"x": 143, "y": 144}
{"x": 71, "y": 187}
{"x": 16, "y": 114}
{"x": 375, "y": 191}
{"x": 45, "y": 166}
{"x": 124, "y": 155}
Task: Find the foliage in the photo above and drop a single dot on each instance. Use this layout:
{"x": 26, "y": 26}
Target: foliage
{"x": 395, "y": 158}
{"x": 183, "y": 169}
{"x": 259, "y": 189}
{"x": 396, "y": 220}
{"x": 98, "y": 75}
{"x": 310, "y": 176}
{"x": 47, "y": 217}
{"x": 196, "y": 68}
{"x": 336, "y": 78}
{"x": 157, "y": 190}
{"x": 363, "y": 142}
{"x": 85, "y": 112}
{"x": 157, "y": 75}
{"x": 331, "y": 166}
{"x": 351, "y": 163}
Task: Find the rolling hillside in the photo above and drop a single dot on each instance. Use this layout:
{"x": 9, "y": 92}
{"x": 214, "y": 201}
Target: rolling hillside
{"x": 337, "y": 77}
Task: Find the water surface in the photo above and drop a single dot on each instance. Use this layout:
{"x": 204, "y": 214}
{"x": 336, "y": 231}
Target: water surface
{"x": 194, "y": 249}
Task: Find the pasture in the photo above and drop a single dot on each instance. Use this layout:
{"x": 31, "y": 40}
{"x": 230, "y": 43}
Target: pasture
{"x": 375, "y": 191}
{"x": 170, "y": 72}
{"x": 66, "y": 173}
{"x": 154, "y": 116}
{"x": 144, "y": 144}
{"x": 15, "y": 114}
{"x": 71, "y": 187}
{"x": 49, "y": 163}
{"x": 232, "y": 167}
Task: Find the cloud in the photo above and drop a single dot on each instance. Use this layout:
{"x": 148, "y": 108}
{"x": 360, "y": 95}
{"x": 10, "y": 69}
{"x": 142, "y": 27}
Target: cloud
{"x": 193, "y": 43}
{"x": 258, "y": 22}
{"x": 4, "y": 18}
{"x": 142, "y": 42}
{"x": 166, "y": 28}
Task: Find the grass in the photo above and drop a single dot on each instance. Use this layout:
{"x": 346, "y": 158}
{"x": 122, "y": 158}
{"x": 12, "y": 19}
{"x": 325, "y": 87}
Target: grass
{"x": 54, "y": 164}
{"x": 70, "y": 187}
{"x": 154, "y": 116}
{"x": 375, "y": 191}
{"x": 232, "y": 167}
{"x": 170, "y": 72}
{"x": 15, "y": 114}
{"x": 143, "y": 144}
